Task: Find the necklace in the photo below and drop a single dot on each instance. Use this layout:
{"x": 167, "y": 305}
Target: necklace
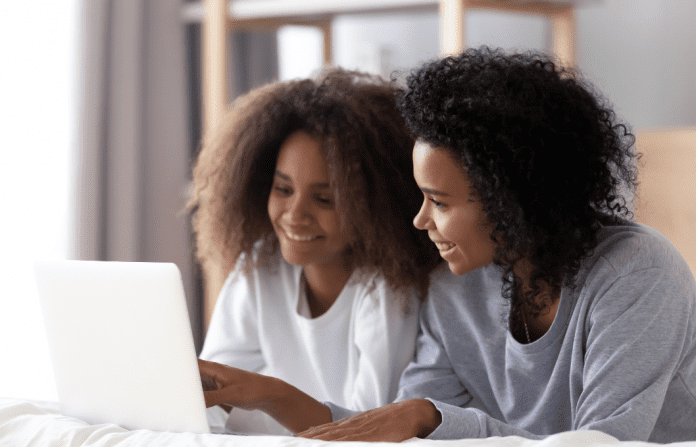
{"x": 526, "y": 329}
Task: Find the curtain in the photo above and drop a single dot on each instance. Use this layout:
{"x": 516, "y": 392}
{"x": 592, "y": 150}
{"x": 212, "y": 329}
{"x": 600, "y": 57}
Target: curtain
{"x": 134, "y": 138}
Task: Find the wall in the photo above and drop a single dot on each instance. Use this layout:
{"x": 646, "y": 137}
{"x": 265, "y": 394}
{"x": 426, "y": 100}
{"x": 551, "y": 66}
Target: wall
{"x": 382, "y": 43}
{"x": 640, "y": 53}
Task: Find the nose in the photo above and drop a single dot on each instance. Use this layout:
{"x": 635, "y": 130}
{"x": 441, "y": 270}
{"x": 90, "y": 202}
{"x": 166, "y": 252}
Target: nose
{"x": 422, "y": 219}
{"x": 297, "y": 212}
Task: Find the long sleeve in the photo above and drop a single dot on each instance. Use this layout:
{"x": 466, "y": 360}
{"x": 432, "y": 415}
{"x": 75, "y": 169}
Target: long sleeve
{"x": 620, "y": 356}
{"x": 384, "y": 335}
{"x": 431, "y": 375}
{"x": 233, "y": 336}
{"x": 234, "y": 339}
{"x": 637, "y": 334}
{"x": 640, "y": 331}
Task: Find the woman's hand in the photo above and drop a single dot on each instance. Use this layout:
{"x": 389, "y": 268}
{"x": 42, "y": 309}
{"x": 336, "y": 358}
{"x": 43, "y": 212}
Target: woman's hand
{"x": 392, "y": 423}
{"x": 210, "y": 385}
{"x": 234, "y": 387}
{"x": 286, "y": 404}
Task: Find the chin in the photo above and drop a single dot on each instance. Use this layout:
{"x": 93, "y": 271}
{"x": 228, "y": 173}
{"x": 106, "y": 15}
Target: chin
{"x": 294, "y": 258}
{"x": 461, "y": 268}
{"x": 457, "y": 269}
{"x": 293, "y": 261}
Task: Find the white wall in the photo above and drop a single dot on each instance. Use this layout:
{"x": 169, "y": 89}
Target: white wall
{"x": 294, "y": 64}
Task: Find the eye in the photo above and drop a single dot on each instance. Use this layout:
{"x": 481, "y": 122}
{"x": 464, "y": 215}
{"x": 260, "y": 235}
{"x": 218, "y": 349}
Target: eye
{"x": 325, "y": 201}
{"x": 282, "y": 190}
{"x": 438, "y": 205}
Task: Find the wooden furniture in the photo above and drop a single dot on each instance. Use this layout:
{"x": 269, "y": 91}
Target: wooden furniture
{"x": 667, "y": 191}
{"x": 220, "y": 16}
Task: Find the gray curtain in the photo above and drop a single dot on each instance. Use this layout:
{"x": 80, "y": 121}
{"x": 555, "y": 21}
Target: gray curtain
{"x": 134, "y": 144}
{"x": 140, "y": 130}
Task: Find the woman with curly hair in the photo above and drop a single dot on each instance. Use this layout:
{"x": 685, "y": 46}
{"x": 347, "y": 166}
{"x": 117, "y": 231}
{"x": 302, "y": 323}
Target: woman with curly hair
{"x": 525, "y": 175}
{"x": 305, "y": 197}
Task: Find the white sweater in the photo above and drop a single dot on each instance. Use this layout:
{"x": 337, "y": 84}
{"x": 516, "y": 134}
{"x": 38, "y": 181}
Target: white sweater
{"x": 352, "y": 355}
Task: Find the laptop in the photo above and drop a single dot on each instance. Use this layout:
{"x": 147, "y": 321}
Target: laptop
{"x": 120, "y": 341}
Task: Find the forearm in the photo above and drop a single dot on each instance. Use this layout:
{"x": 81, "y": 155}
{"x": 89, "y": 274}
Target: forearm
{"x": 292, "y": 408}
{"x": 233, "y": 387}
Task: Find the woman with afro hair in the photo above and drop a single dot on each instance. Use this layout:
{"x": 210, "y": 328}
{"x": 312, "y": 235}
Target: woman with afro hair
{"x": 305, "y": 197}
{"x": 560, "y": 312}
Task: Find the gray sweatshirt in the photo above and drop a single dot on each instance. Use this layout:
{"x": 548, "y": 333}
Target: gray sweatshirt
{"x": 620, "y": 356}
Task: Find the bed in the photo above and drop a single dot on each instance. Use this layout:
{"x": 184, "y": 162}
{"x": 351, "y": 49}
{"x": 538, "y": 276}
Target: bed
{"x": 39, "y": 423}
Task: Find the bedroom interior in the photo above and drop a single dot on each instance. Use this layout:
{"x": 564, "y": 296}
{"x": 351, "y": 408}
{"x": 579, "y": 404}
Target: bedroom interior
{"x": 158, "y": 74}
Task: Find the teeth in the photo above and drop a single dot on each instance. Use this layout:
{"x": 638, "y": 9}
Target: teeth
{"x": 443, "y": 246}
{"x": 299, "y": 238}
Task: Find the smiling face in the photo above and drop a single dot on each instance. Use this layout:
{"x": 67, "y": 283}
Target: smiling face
{"x": 301, "y": 205}
{"x": 455, "y": 221}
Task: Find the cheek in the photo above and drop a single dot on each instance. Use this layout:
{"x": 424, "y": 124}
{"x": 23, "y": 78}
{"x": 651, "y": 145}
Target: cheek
{"x": 459, "y": 229}
{"x": 273, "y": 208}
{"x": 331, "y": 224}
{"x": 448, "y": 226}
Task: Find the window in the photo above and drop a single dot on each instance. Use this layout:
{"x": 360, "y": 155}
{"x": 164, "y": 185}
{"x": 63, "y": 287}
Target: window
{"x": 39, "y": 132}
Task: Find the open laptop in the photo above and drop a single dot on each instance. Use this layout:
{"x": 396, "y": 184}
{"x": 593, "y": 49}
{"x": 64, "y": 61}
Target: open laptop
{"x": 120, "y": 341}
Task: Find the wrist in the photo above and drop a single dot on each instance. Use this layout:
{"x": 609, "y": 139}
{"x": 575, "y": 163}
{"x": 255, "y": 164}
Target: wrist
{"x": 428, "y": 417}
{"x": 270, "y": 392}
{"x": 292, "y": 408}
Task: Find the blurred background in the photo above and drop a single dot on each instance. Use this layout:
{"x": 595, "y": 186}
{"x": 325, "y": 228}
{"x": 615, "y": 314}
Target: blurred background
{"x": 104, "y": 106}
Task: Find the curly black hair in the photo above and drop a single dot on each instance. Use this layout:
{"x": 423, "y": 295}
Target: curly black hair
{"x": 368, "y": 149}
{"x": 544, "y": 152}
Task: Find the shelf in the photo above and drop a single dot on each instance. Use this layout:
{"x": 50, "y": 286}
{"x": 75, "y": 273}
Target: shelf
{"x": 254, "y": 10}
{"x": 242, "y": 10}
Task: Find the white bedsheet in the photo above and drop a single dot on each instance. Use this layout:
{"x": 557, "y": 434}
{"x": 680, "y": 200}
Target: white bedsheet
{"x": 34, "y": 423}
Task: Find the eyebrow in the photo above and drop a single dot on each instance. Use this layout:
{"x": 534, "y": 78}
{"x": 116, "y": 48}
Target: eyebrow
{"x": 434, "y": 192}
{"x": 289, "y": 179}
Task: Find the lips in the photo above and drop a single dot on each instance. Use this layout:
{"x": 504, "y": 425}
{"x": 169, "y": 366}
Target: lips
{"x": 444, "y": 246}
{"x": 299, "y": 236}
